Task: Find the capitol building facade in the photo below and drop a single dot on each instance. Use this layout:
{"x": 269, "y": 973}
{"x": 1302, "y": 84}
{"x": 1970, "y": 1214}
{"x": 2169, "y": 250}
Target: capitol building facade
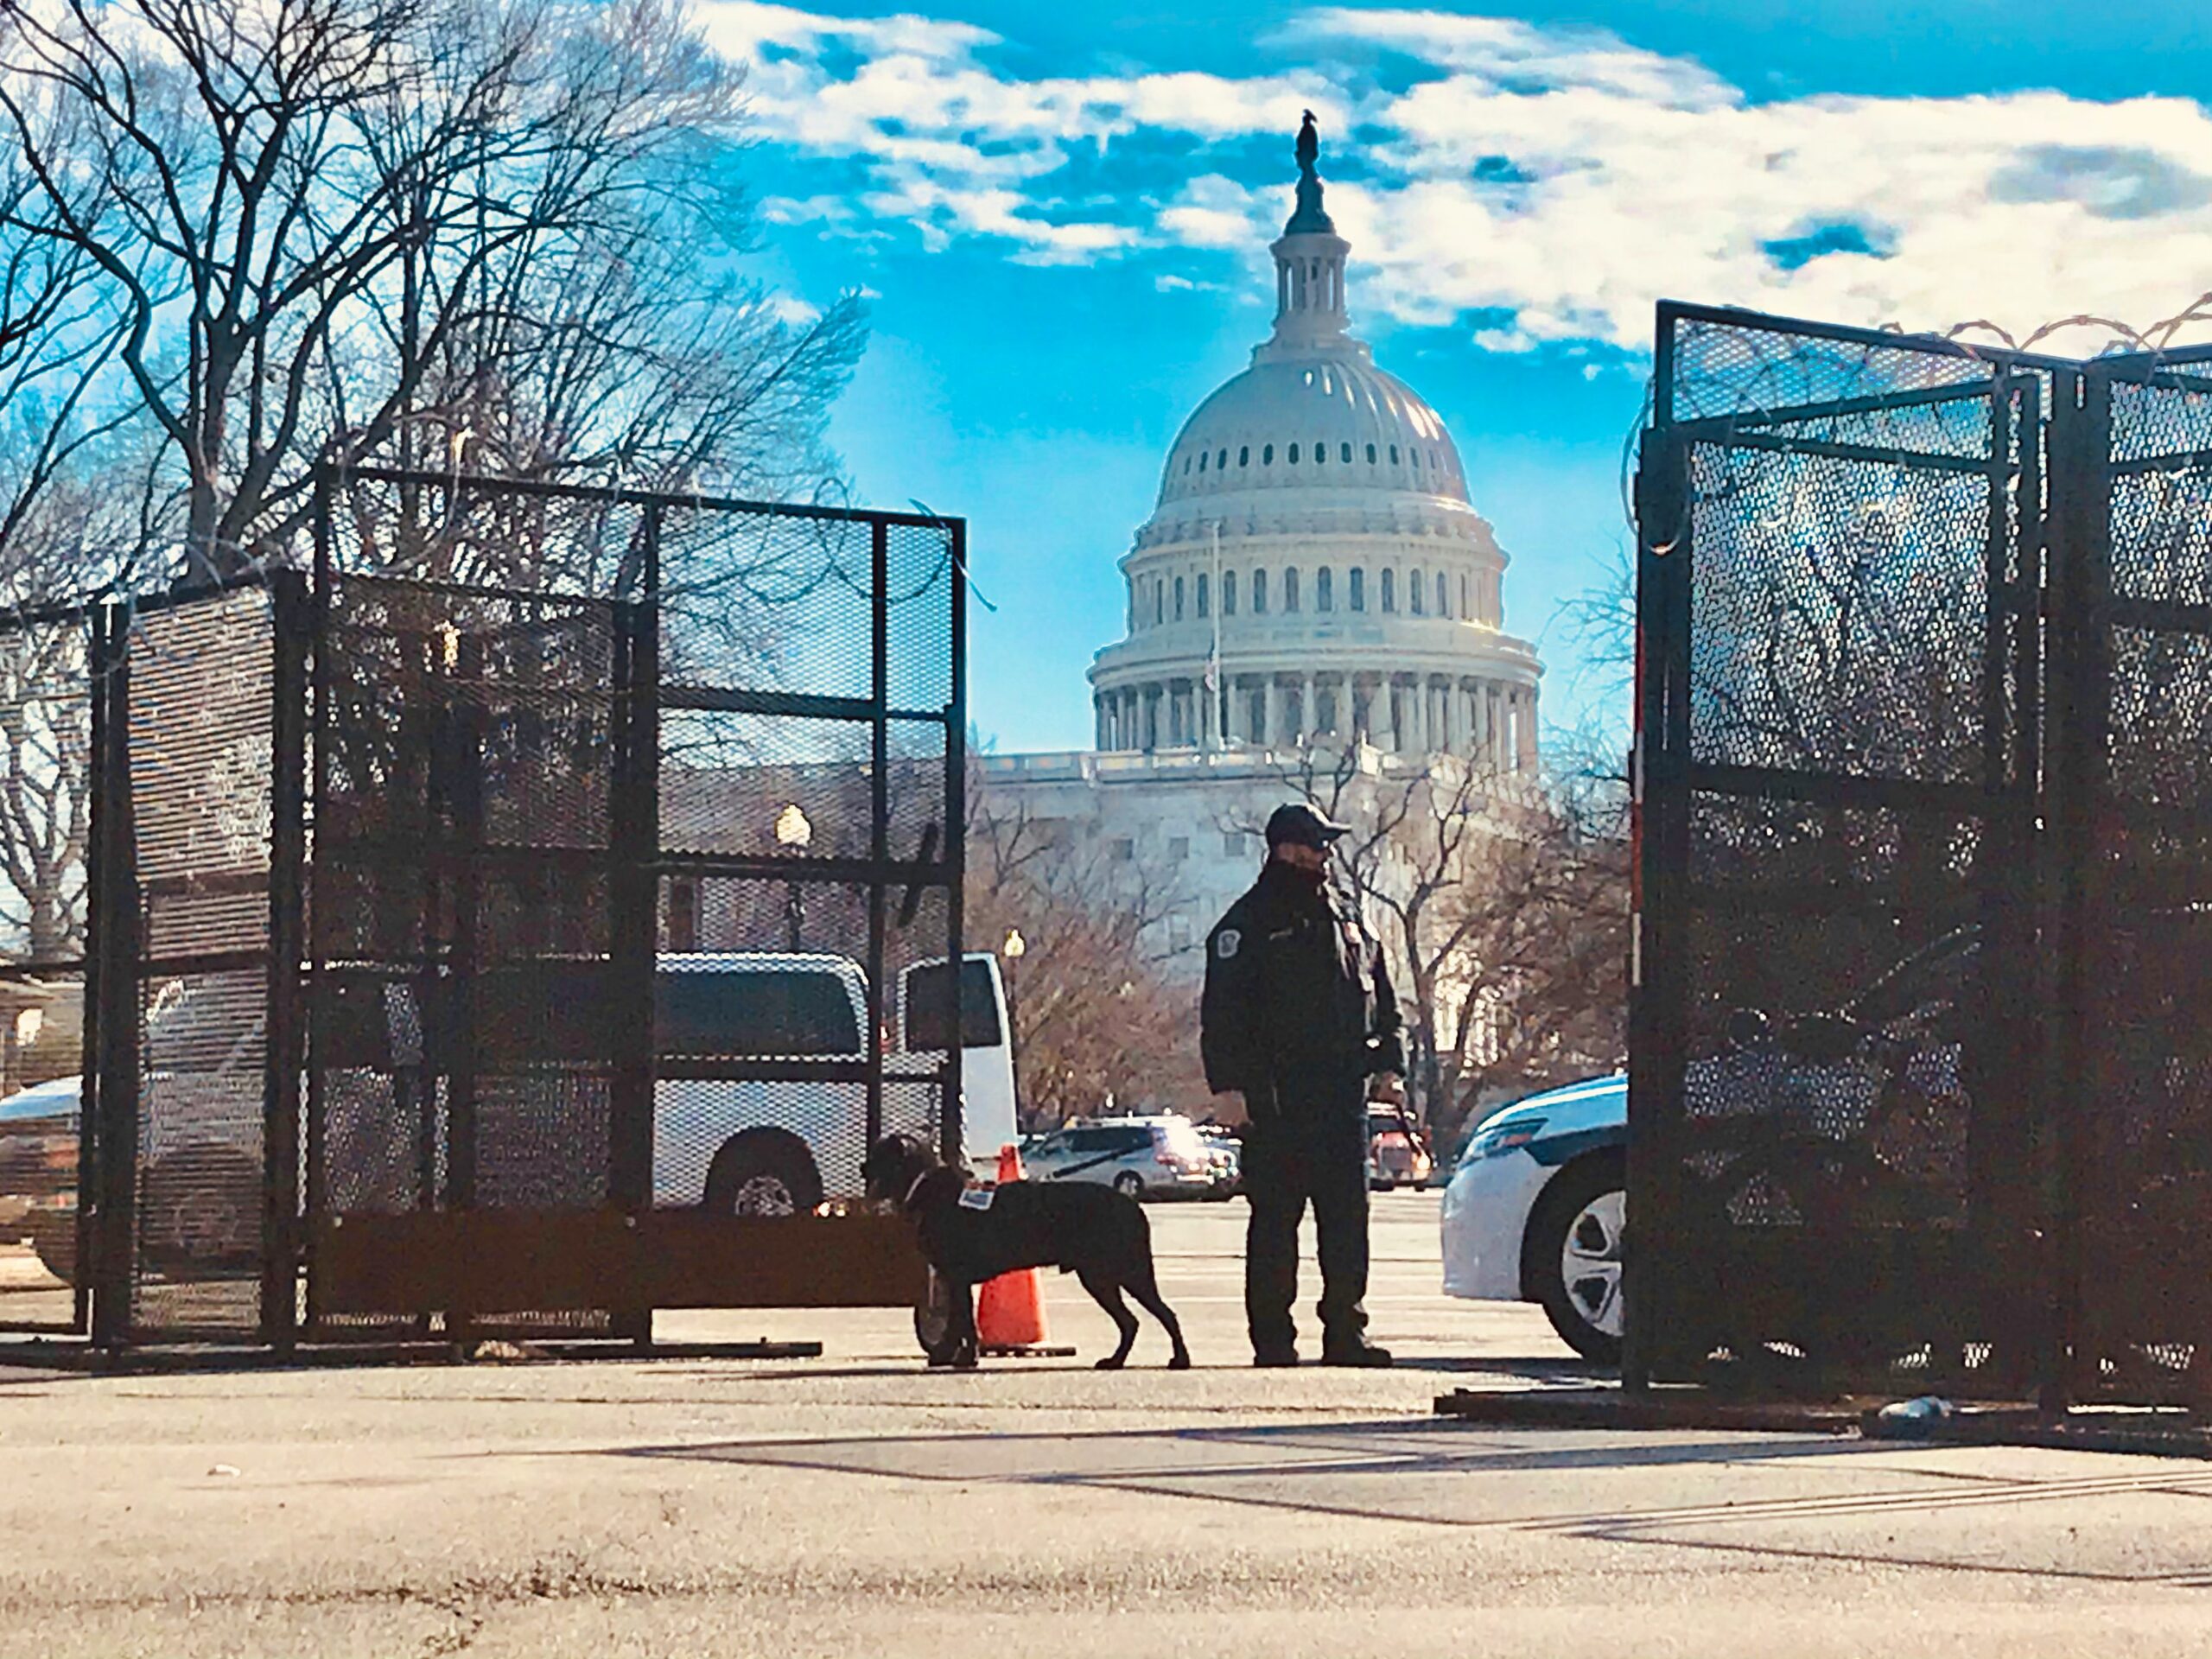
{"x": 1314, "y": 595}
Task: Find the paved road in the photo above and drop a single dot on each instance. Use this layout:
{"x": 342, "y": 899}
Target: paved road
{"x": 857, "y": 1505}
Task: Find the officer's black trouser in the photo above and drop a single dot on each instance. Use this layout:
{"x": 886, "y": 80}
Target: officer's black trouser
{"x": 1314, "y": 1150}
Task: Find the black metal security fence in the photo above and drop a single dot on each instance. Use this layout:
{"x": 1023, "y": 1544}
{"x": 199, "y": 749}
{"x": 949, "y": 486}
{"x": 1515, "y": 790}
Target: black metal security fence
{"x": 1921, "y": 1075}
{"x": 503, "y": 925}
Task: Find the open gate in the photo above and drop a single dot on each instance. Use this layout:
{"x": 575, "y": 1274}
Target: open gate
{"x": 1920, "y": 835}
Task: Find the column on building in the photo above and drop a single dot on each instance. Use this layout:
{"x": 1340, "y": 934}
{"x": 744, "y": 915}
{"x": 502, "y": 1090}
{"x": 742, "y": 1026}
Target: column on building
{"x": 1528, "y": 729}
{"x": 1494, "y": 751}
{"x": 1273, "y": 737}
{"x": 1309, "y": 709}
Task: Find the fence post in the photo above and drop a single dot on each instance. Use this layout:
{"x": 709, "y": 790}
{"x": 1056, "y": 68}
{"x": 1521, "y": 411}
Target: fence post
{"x": 2078, "y": 707}
{"x": 952, "y": 1137}
{"x": 1657, "y": 949}
{"x": 879, "y": 846}
{"x": 634, "y": 833}
{"x": 116, "y": 903}
{"x": 280, "y": 1228}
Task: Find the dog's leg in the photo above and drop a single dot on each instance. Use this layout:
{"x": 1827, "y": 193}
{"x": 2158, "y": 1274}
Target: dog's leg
{"x": 1108, "y": 1295}
{"x": 965, "y": 1343}
{"x": 1146, "y": 1289}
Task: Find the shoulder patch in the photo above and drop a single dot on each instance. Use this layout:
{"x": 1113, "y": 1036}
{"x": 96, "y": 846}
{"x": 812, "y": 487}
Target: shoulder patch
{"x": 1227, "y": 943}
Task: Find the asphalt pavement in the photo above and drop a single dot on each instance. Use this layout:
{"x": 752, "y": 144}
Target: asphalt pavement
{"x": 857, "y": 1504}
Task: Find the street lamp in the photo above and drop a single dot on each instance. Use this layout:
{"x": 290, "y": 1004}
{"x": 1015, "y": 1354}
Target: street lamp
{"x": 1013, "y": 949}
{"x": 793, "y": 833}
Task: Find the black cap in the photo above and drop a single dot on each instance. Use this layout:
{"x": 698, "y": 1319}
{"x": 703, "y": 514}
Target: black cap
{"x": 1298, "y": 824}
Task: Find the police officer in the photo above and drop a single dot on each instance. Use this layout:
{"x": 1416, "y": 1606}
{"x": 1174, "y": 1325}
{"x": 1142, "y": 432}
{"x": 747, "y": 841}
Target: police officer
{"x": 1297, "y": 1017}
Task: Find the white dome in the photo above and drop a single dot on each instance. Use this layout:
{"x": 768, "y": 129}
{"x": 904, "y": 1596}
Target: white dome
{"x": 1329, "y": 421}
{"x": 1313, "y": 571}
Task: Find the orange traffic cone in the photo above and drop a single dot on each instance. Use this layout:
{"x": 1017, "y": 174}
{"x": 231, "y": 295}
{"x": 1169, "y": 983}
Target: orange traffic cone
{"x": 1010, "y": 1309}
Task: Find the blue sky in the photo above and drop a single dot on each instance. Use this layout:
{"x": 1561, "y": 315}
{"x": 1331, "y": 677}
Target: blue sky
{"x": 1061, "y": 214}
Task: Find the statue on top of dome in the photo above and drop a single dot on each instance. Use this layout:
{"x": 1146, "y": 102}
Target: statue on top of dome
{"x": 1310, "y": 216}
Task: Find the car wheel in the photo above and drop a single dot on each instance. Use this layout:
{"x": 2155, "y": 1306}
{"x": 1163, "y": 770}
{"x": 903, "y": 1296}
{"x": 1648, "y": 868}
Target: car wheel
{"x": 933, "y": 1323}
{"x": 1129, "y": 1184}
{"x": 54, "y": 1239}
{"x": 199, "y": 1211}
{"x": 1574, "y": 1255}
{"x": 763, "y": 1172}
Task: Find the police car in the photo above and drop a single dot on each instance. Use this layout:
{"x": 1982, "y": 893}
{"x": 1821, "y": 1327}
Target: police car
{"x": 1534, "y": 1213}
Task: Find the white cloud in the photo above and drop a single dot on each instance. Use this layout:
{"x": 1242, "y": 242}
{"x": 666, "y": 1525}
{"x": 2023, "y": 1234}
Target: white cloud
{"x": 1562, "y": 178}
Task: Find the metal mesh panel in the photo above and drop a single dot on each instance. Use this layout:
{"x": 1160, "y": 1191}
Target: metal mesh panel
{"x": 709, "y": 745}
{"x": 1747, "y": 368}
{"x": 199, "y": 735}
{"x": 2143, "y": 1133}
{"x": 756, "y": 601}
{"x": 45, "y": 766}
{"x": 1832, "y": 1169}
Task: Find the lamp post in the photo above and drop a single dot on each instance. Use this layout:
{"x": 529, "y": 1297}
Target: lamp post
{"x": 1013, "y": 949}
{"x": 793, "y": 832}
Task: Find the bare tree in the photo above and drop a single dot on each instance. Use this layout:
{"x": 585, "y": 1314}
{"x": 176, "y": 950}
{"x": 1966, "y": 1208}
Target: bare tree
{"x": 397, "y": 226}
{"x": 1502, "y": 905}
{"x": 1098, "y": 1022}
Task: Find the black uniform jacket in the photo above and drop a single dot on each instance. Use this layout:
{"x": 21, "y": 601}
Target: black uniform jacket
{"x": 1297, "y": 999}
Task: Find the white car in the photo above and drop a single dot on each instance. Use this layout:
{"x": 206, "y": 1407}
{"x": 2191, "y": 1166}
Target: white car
{"x": 1534, "y": 1212}
{"x": 1144, "y": 1157}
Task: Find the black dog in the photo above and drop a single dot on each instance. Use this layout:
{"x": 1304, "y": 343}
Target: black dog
{"x": 1094, "y": 1232}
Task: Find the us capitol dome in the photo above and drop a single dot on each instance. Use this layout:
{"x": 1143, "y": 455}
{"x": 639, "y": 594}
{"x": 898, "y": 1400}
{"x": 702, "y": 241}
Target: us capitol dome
{"x": 1314, "y": 594}
{"x": 1314, "y": 573}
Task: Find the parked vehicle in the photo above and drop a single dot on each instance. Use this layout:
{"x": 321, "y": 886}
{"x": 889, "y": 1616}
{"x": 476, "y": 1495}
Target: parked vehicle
{"x": 1806, "y": 1118}
{"x": 1145, "y": 1157}
{"x": 1397, "y": 1155}
{"x": 1228, "y": 1154}
{"x": 734, "y": 1145}
{"x": 38, "y": 1171}
{"x": 1535, "y": 1210}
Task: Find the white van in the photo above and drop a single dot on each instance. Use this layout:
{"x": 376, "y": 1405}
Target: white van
{"x": 748, "y": 1148}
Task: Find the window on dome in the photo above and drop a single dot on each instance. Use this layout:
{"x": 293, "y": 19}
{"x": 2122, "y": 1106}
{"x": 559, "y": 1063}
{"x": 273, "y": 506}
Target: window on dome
{"x": 1415, "y": 453}
{"x": 1394, "y": 454}
{"x": 1416, "y": 594}
{"x": 1390, "y": 592}
{"x": 1259, "y": 593}
{"x": 1345, "y": 455}
{"x": 1221, "y": 462}
{"x": 1290, "y": 589}
{"x": 1324, "y": 598}
{"x": 1371, "y": 455}
{"x": 1467, "y": 605}
{"x": 1186, "y": 466}
{"x": 1203, "y": 595}
{"x": 1244, "y": 455}
{"x": 1320, "y": 454}
{"x": 1267, "y": 454}
{"x": 1158, "y": 601}
{"x": 1443, "y": 600}
{"x": 1356, "y": 589}
{"x": 1293, "y": 455}
{"x": 1228, "y": 593}
{"x": 1202, "y": 462}
{"x": 1178, "y": 599}
{"x": 1433, "y": 460}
